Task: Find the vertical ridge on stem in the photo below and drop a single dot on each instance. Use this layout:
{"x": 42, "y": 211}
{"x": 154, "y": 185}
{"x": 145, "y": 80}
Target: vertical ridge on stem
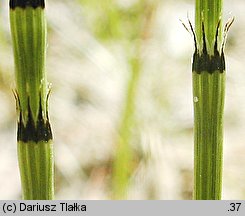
{"x": 208, "y": 73}
{"x": 34, "y": 136}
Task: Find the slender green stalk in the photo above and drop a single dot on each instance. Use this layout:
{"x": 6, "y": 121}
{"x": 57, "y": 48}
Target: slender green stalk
{"x": 35, "y": 148}
{"x": 123, "y": 164}
{"x": 209, "y": 14}
{"x": 208, "y": 95}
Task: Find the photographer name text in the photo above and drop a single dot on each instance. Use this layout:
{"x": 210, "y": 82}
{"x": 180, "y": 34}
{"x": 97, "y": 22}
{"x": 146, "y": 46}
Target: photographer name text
{"x": 38, "y": 207}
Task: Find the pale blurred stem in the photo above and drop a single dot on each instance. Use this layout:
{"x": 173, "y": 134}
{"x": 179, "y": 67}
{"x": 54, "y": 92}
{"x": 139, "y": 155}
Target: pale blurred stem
{"x": 208, "y": 95}
{"x": 35, "y": 148}
{"x": 122, "y": 168}
{"x": 123, "y": 164}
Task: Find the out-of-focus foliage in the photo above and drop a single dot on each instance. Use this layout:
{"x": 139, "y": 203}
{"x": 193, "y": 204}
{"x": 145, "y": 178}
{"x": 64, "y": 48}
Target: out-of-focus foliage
{"x": 117, "y": 20}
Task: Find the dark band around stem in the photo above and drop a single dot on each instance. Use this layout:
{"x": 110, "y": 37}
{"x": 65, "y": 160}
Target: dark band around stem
{"x": 203, "y": 61}
{"x": 26, "y": 3}
{"x": 36, "y": 131}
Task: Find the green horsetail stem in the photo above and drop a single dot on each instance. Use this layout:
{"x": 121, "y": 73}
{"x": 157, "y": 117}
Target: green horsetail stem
{"x": 35, "y": 148}
{"x": 208, "y": 73}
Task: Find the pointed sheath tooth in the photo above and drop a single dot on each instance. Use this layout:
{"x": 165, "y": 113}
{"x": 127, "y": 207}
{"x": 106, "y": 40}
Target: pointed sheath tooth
{"x": 34, "y": 136}
{"x": 203, "y": 61}
{"x": 28, "y": 27}
{"x": 34, "y": 132}
{"x": 26, "y": 3}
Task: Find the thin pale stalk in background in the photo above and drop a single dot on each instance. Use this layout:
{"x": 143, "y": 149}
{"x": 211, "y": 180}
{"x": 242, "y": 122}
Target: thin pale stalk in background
{"x": 124, "y": 164}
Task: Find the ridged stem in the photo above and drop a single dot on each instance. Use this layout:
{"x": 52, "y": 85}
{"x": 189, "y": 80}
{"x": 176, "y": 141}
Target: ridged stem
{"x": 209, "y": 14}
{"x": 209, "y": 92}
{"x": 208, "y": 74}
{"x": 35, "y": 148}
{"x": 36, "y": 169}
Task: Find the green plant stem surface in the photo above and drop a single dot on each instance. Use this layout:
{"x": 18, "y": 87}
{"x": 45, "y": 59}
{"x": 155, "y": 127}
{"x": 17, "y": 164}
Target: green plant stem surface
{"x": 208, "y": 95}
{"x": 208, "y": 91}
{"x": 209, "y": 14}
{"x": 36, "y": 169}
{"x": 28, "y": 27}
{"x": 35, "y": 148}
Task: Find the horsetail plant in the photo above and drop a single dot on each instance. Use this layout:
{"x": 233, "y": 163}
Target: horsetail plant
{"x": 208, "y": 73}
{"x": 35, "y": 148}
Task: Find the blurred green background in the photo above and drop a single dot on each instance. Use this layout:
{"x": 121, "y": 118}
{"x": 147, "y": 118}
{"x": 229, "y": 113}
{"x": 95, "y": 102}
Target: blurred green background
{"x": 121, "y": 70}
